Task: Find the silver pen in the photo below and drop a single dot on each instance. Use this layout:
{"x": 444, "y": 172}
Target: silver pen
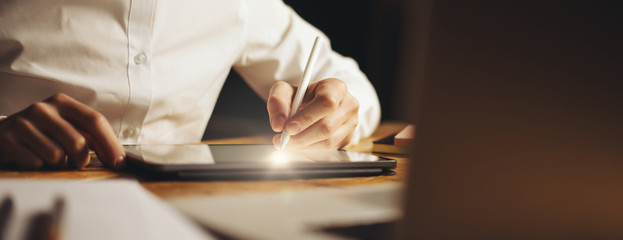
{"x": 302, "y": 88}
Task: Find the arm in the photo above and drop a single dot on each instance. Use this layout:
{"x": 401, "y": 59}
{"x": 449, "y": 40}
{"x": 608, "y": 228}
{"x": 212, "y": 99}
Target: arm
{"x": 278, "y": 44}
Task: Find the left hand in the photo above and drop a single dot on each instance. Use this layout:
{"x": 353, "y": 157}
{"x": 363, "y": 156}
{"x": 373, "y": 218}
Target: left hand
{"x": 326, "y": 119}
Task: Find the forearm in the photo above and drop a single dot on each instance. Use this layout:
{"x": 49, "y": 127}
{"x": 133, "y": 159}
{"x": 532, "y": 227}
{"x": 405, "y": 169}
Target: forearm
{"x": 283, "y": 58}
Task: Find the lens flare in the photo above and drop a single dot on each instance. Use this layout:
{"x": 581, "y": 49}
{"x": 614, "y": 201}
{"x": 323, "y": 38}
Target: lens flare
{"x": 279, "y": 158}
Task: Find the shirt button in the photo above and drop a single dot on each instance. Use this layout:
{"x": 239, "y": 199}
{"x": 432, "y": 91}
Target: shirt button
{"x": 140, "y": 58}
{"x": 129, "y": 132}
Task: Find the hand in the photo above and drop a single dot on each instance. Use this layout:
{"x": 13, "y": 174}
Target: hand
{"x": 326, "y": 119}
{"x": 47, "y": 132}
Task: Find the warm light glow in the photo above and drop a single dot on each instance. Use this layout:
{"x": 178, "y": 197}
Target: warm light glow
{"x": 279, "y": 158}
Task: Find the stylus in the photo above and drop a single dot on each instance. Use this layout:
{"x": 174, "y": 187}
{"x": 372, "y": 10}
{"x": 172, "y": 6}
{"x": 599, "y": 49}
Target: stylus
{"x": 302, "y": 88}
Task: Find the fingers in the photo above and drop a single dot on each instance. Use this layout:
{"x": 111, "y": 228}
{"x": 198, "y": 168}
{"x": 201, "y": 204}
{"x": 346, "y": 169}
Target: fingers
{"x": 28, "y": 160}
{"x": 279, "y": 104}
{"x": 326, "y": 100}
{"x": 59, "y": 128}
{"x": 94, "y": 124}
{"x": 328, "y": 121}
{"x": 45, "y": 149}
{"x": 72, "y": 143}
{"x": 310, "y": 139}
{"x": 340, "y": 140}
{"x": 320, "y": 130}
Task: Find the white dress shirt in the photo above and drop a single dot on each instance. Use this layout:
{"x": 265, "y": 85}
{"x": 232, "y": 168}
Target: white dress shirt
{"x": 155, "y": 68}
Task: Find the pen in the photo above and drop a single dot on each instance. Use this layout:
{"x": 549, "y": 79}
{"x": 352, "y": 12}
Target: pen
{"x": 302, "y": 88}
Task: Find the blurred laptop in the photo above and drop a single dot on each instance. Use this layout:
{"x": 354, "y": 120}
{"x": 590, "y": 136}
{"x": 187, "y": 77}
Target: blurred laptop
{"x": 520, "y": 127}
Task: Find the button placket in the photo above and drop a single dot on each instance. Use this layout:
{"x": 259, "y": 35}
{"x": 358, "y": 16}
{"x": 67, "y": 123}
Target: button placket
{"x": 139, "y": 70}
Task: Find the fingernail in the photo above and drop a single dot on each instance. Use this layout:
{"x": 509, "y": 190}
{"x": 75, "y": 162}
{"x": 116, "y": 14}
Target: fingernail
{"x": 277, "y": 123}
{"x": 293, "y": 128}
{"x": 120, "y": 162}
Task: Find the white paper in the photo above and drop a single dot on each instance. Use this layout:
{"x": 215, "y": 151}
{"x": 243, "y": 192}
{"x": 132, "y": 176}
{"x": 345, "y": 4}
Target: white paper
{"x": 294, "y": 214}
{"x": 110, "y": 209}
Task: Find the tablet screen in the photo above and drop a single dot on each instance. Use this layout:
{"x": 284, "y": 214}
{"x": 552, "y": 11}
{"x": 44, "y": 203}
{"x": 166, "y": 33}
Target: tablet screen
{"x": 238, "y": 154}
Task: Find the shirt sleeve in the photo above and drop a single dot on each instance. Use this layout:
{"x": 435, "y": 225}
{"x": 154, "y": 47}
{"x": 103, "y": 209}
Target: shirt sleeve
{"x": 277, "y": 47}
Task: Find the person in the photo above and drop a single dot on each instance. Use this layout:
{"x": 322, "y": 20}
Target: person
{"x": 97, "y": 74}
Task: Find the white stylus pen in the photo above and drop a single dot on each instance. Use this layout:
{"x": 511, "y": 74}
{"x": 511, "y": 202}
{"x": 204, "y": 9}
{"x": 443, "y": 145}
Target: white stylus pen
{"x": 302, "y": 88}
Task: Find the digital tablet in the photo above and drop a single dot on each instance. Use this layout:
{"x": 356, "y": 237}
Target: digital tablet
{"x": 201, "y": 161}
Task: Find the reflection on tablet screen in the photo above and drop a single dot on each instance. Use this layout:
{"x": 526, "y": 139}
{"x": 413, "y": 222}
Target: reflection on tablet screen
{"x": 221, "y": 154}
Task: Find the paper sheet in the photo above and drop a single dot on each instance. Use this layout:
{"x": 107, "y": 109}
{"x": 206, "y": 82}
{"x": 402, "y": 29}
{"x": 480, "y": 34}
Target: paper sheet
{"x": 110, "y": 209}
{"x": 294, "y": 214}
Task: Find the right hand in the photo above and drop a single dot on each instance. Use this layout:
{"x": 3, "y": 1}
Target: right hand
{"x": 56, "y": 129}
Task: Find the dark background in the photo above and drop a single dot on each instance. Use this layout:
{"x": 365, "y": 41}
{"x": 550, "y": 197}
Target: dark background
{"x": 519, "y": 134}
{"x": 365, "y": 30}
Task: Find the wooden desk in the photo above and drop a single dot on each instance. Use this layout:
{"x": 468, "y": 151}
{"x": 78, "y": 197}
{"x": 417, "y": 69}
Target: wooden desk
{"x": 172, "y": 189}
